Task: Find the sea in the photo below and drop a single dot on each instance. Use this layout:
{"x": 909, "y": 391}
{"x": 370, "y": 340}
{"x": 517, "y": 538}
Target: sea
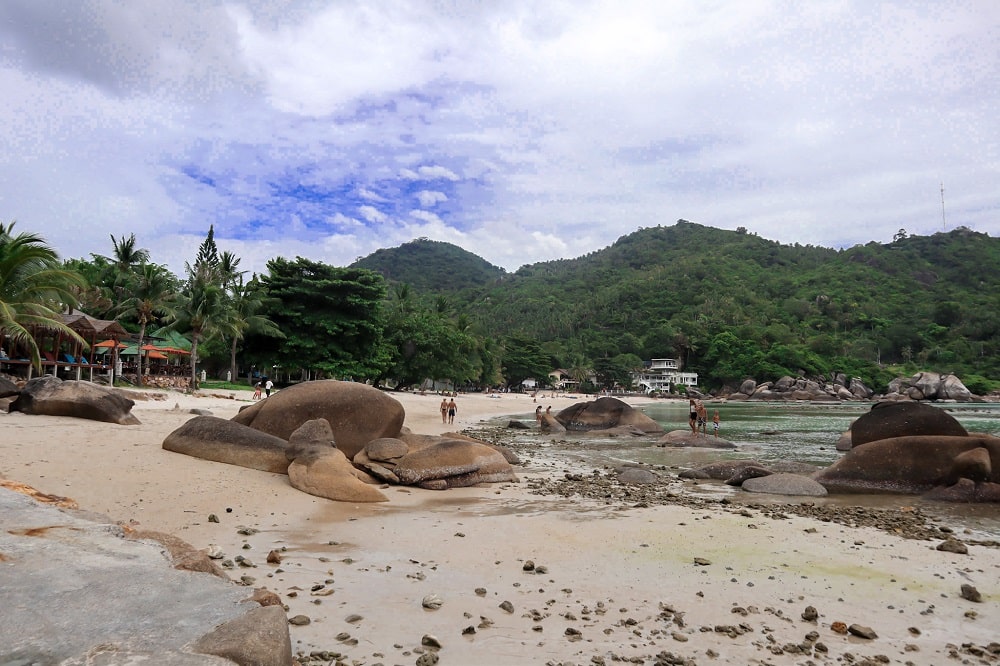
{"x": 770, "y": 432}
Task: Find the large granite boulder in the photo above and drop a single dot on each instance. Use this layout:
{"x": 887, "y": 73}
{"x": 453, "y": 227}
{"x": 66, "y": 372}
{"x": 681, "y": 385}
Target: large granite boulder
{"x": 930, "y": 386}
{"x": 914, "y": 464}
{"x": 222, "y": 440}
{"x": 320, "y": 469}
{"x": 51, "y": 396}
{"x": 436, "y": 463}
{"x": 83, "y": 594}
{"x": 605, "y": 413}
{"x": 685, "y": 438}
{"x": 357, "y": 413}
{"x": 900, "y": 419}
{"x": 784, "y": 484}
{"x": 722, "y": 470}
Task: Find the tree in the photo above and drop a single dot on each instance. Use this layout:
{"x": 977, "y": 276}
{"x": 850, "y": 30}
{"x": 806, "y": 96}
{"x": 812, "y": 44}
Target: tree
{"x": 332, "y": 319}
{"x": 201, "y": 311}
{"x": 125, "y": 257}
{"x": 34, "y": 289}
{"x": 245, "y": 304}
{"x": 153, "y": 295}
{"x": 523, "y": 358}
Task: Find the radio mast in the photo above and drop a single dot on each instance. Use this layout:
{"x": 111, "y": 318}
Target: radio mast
{"x": 944, "y": 226}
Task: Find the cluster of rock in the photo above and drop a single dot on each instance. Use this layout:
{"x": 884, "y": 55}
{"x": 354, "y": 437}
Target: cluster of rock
{"x": 897, "y": 447}
{"x": 839, "y": 387}
{"x": 929, "y": 386}
{"x": 340, "y": 440}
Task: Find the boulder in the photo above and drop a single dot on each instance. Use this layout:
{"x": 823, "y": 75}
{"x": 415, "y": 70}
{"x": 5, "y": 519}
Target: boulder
{"x": 605, "y": 413}
{"x": 456, "y": 463}
{"x": 632, "y": 475}
{"x": 784, "y": 484}
{"x": 931, "y": 386}
{"x": 720, "y": 471}
{"x": 683, "y": 438}
{"x": 965, "y": 490}
{"x": 8, "y": 389}
{"x": 748, "y": 387}
{"x": 550, "y": 424}
{"x": 357, "y": 413}
{"x": 952, "y": 388}
{"x": 386, "y": 449}
{"x": 747, "y": 472}
{"x": 319, "y": 468}
{"x": 328, "y": 473}
{"x": 914, "y": 464}
{"x": 51, "y": 396}
{"x": 898, "y": 419}
{"x": 844, "y": 442}
{"x": 222, "y": 440}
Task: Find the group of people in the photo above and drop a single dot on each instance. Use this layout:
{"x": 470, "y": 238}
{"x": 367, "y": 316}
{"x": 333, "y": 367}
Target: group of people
{"x": 698, "y": 418}
{"x": 538, "y": 413}
{"x": 448, "y": 410}
{"x": 266, "y": 384}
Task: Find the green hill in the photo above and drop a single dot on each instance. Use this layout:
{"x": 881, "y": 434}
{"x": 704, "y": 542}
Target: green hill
{"x": 431, "y": 266}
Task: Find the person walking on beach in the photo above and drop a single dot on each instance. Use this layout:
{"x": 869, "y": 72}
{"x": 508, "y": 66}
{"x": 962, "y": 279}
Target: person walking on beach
{"x": 715, "y": 422}
{"x": 692, "y": 415}
{"x": 256, "y": 391}
{"x": 268, "y": 385}
{"x": 452, "y": 410}
{"x": 444, "y": 410}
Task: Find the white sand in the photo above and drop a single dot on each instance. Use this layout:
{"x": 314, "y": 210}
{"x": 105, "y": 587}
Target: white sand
{"x": 610, "y": 567}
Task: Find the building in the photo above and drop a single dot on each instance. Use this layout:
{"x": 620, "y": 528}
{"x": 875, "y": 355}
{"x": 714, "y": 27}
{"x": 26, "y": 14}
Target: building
{"x": 663, "y": 374}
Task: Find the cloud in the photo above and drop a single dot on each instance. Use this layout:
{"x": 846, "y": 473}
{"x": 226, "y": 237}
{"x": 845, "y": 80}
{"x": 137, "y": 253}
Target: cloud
{"x": 521, "y": 131}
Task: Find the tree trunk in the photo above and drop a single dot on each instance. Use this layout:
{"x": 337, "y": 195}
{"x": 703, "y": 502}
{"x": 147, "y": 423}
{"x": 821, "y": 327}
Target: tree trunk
{"x": 142, "y": 334}
{"x": 194, "y": 361}
{"x": 233, "y": 375}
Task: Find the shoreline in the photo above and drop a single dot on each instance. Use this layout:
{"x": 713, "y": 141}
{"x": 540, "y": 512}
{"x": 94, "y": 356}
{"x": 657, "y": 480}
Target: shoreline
{"x": 612, "y": 577}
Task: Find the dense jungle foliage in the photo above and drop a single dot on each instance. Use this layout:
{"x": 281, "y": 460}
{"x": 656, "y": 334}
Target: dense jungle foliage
{"x": 731, "y": 305}
{"x": 727, "y": 304}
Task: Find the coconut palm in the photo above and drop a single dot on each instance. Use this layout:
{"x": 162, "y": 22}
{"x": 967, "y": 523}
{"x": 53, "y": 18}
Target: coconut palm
{"x": 153, "y": 295}
{"x": 201, "y": 311}
{"x": 34, "y": 290}
{"x": 244, "y": 304}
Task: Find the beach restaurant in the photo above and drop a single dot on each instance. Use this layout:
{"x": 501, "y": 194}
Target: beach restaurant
{"x": 60, "y": 354}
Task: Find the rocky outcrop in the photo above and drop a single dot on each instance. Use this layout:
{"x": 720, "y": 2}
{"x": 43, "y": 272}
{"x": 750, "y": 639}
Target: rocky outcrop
{"x": 134, "y": 608}
{"x": 357, "y": 413}
{"x": 8, "y": 389}
{"x": 222, "y": 440}
{"x": 436, "y": 463}
{"x": 929, "y": 386}
{"x": 897, "y": 419}
{"x": 320, "y": 469}
{"x": 51, "y": 396}
{"x": 914, "y": 464}
{"x": 682, "y": 438}
{"x": 604, "y": 414}
{"x": 838, "y": 387}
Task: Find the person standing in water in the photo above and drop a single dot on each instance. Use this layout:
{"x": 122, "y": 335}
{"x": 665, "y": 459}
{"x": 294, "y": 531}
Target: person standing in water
{"x": 715, "y": 422}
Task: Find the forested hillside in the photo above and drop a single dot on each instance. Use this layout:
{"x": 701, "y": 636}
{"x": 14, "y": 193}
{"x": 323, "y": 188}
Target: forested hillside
{"x": 729, "y": 304}
{"x": 431, "y": 266}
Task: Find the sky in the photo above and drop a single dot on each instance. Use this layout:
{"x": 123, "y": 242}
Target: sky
{"x": 522, "y": 131}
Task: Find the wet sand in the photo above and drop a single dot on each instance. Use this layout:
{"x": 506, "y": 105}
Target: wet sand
{"x": 610, "y": 580}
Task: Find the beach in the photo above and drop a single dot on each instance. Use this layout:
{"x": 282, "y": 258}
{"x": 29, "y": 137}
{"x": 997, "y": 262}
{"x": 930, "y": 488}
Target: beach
{"x": 500, "y": 574}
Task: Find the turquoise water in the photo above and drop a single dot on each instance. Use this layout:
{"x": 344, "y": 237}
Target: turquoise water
{"x": 768, "y": 432}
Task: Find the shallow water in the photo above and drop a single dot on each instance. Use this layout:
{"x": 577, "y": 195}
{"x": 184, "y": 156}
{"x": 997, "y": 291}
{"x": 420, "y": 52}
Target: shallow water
{"x": 771, "y": 432}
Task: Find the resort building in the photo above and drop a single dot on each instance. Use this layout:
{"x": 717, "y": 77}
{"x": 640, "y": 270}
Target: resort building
{"x": 663, "y": 374}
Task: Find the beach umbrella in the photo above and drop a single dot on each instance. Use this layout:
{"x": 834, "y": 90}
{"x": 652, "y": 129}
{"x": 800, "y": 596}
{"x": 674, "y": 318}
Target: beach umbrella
{"x": 108, "y": 344}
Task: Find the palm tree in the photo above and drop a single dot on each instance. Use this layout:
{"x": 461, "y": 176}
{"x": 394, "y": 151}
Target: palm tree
{"x": 153, "y": 295}
{"x": 34, "y": 289}
{"x": 201, "y": 311}
{"x": 245, "y": 303}
{"x": 124, "y": 259}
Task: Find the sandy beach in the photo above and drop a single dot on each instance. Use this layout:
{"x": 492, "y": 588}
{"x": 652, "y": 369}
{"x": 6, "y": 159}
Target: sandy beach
{"x": 523, "y": 578}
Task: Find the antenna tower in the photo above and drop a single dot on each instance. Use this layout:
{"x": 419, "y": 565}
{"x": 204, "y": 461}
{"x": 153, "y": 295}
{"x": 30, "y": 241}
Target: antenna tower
{"x": 944, "y": 226}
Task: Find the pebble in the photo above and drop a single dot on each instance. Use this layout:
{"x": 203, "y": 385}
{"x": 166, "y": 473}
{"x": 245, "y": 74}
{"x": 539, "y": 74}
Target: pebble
{"x": 432, "y": 602}
{"x": 810, "y": 614}
{"x": 952, "y": 545}
{"x": 970, "y": 593}
{"x": 862, "y": 631}
{"x": 507, "y": 606}
{"x": 299, "y": 620}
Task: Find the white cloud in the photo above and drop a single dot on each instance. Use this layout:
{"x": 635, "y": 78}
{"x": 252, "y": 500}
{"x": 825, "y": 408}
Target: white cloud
{"x": 428, "y": 198}
{"x": 533, "y": 130}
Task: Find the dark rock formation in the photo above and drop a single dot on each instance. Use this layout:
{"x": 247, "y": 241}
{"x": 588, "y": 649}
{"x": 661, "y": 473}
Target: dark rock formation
{"x": 899, "y": 419}
{"x": 51, "y": 396}
{"x": 605, "y": 413}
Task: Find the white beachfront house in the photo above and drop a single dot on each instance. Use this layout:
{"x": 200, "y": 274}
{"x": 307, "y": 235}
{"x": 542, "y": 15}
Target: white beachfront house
{"x": 662, "y": 374}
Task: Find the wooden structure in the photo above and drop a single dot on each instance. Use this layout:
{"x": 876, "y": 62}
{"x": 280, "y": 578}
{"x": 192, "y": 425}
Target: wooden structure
{"x": 62, "y": 354}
